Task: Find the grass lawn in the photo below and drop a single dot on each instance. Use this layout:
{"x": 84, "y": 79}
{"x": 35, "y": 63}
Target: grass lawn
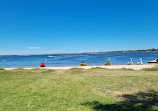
{"x": 79, "y": 90}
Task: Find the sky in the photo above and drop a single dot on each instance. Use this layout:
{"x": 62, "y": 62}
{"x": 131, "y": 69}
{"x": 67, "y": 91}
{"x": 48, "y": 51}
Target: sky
{"x": 74, "y": 26}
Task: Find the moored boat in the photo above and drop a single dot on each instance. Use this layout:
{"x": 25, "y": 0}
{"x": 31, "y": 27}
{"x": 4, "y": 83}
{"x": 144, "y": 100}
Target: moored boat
{"x": 154, "y": 61}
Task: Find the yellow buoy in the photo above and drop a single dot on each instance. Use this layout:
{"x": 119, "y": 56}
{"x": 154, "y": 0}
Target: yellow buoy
{"x": 3, "y": 60}
{"x": 45, "y": 59}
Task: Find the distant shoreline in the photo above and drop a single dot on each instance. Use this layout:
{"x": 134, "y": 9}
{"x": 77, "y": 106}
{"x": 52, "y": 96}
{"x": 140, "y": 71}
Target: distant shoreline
{"x": 125, "y": 51}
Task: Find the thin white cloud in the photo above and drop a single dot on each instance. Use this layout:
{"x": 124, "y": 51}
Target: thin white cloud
{"x": 33, "y": 47}
{"x": 29, "y": 52}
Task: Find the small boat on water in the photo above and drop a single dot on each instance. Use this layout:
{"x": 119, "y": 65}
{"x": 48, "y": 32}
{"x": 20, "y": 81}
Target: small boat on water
{"x": 154, "y": 61}
{"x": 43, "y": 65}
{"x": 50, "y": 56}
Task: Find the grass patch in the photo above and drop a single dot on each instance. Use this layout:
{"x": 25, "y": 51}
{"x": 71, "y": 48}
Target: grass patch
{"x": 151, "y": 69}
{"x": 78, "y": 89}
{"x": 126, "y": 69}
{"x": 19, "y": 68}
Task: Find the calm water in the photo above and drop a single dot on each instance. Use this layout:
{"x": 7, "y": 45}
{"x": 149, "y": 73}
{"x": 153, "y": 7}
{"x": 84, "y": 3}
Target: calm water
{"x": 74, "y": 59}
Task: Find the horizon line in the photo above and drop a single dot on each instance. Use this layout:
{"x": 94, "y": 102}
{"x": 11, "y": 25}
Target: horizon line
{"x": 122, "y": 51}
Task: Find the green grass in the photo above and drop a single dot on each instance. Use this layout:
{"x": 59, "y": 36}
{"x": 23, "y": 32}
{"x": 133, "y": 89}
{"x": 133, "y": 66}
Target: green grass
{"x": 94, "y": 89}
{"x": 151, "y": 69}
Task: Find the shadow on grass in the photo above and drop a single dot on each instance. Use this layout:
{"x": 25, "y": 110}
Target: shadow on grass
{"x": 98, "y": 68}
{"x": 142, "y": 101}
{"x": 76, "y": 71}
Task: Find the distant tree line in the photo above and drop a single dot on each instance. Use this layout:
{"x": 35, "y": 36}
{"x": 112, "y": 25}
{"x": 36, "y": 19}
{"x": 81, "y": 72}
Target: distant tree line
{"x": 144, "y": 50}
{"x": 140, "y": 50}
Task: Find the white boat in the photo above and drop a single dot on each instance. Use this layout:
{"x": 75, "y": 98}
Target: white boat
{"x": 153, "y": 61}
{"x": 130, "y": 63}
{"x": 50, "y": 56}
{"x": 141, "y": 62}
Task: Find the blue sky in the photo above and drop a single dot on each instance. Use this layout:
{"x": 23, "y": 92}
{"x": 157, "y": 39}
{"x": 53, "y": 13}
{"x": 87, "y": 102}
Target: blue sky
{"x": 70, "y": 26}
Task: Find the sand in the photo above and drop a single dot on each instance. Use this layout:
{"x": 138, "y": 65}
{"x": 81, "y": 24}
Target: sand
{"x": 134, "y": 67}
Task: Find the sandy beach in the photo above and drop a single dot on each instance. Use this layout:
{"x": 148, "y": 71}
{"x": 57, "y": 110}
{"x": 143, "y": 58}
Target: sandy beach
{"x": 134, "y": 67}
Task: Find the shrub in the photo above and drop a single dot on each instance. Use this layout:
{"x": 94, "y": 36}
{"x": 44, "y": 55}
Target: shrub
{"x": 1, "y": 68}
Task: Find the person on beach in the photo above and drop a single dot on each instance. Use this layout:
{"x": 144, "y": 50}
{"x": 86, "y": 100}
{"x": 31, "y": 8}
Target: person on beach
{"x": 83, "y": 64}
{"x": 157, "y": 59}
